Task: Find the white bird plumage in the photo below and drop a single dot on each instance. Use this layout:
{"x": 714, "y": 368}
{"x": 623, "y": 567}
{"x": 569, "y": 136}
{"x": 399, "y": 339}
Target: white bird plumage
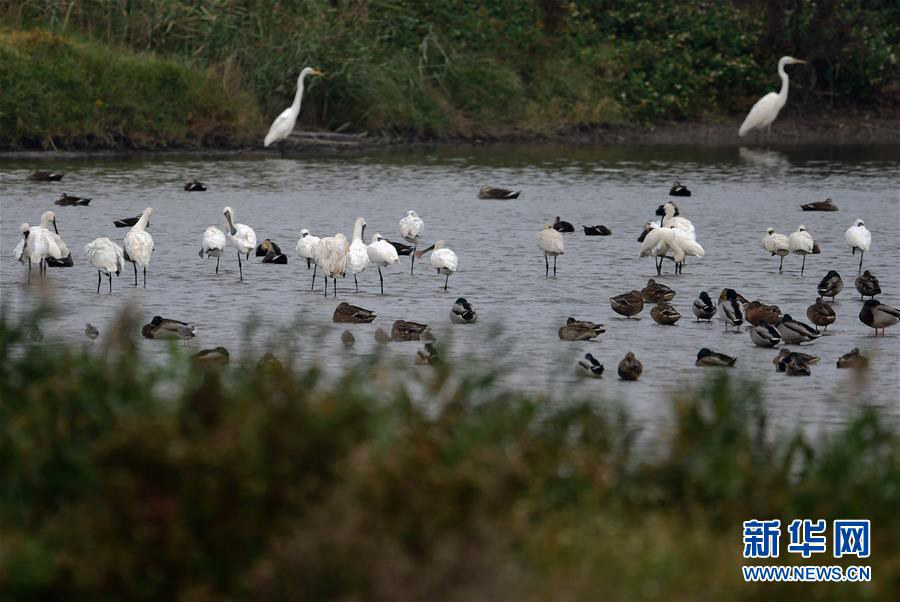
{"x": 107, "y": 256}
{"x": 801, "y": 243}
{"x": 766, "y": 109}
{"x": 444, "y": 260}
{"x": 306, "y": 246}
{"x": 139, "y": 244}
{"x": 212, "y": 244}
{"x": 56, "y": 246}
{"x": 284, "y": 124}
{"x": 32, "y": 248}
{"x": 358, "y": 256}
{"x": 550, "y": 242}
{"x": 382, "y": 254}
{"x": 776, "y": 244}
{"x": 859, "y": 238}
{"x": 241, "y": 236}
{"x": 411, "y": 229}
{"x": 331, "y": 255}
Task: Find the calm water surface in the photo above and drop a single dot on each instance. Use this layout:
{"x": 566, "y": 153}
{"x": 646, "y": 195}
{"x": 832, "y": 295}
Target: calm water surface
{"x": 738, "y": 193}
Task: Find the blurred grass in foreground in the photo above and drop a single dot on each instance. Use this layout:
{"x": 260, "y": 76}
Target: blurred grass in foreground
{"x": 127, "y": 481}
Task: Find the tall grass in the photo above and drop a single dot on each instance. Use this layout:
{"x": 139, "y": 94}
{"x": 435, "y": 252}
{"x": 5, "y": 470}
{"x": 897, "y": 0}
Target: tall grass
{"x": 122, "y": 480}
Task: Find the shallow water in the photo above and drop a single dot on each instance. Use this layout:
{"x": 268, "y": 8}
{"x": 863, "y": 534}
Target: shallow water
{"x": 738, "y": 193}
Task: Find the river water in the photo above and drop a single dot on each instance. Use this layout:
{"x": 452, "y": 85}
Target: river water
{"x": 737, "y": 194}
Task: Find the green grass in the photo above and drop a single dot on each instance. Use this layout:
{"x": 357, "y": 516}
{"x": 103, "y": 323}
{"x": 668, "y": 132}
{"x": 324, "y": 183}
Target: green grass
{"x": 125, "y": 480}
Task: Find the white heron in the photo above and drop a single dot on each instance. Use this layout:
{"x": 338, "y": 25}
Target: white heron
{"x": 212, "y": 244}
{"x": 306, "y": 245}
{"x": 139, "y": 245}
{"x": 444, "y": 260}
{"x": 551, "y": 243}
{"x": 382, "y": 254}
{"x": 766, "y": 109}
{"x": 107, "y": 257}
{"x": 860, "y": 239}
{"x": 331, "y": 255}
{"x": 242, "y": 237}
{"x": 801, "y": 243}
{"x": 776, "y": 244}
{"x": 284, "y": 124}
{"x": 411, "y": 229}
{"x": 358, "y": 256}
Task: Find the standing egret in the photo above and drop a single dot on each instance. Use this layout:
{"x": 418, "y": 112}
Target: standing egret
{"x": 801, "y": 243}
{"x": 411, "y": 229}
{"x": 331, "y": 255}
{"x": 107, "y": 257}
{"x": 382, "y": 254}
{"x": 212, "y": 244}
{"x": 444, "y": 260}
{"x": 766, "y": 109}
{"x": 776, "y": 244}
{"x": 551, "y": 243}
{"x": 284, "y": 123}
{"x": 859, "y": 238}
{"x": 358, "y": 257}
{"x": 242, "y": 237}
{"x": 306, "y": 245}
{"x": 139, "y": 245}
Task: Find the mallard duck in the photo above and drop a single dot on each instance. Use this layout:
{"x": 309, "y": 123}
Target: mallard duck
{"x": 195, "y": 186}
{"x": 348, "y": 339}
{"x": 785, "y": 354}
{"x": 679, "y": 189}
{"x": 737, "y": 296}
{"x": 630, "y": 368}
{"x": 663, "y": 313}
{"x": 462, "y": 312}
{"x": 91, "y": 332}
{"x": 655, "y": 292}
{"x": 562, "y": 225}
{"x": 128, "y": 222}
{"x": 756, "y": 312}
{"x": 63, "y": 262}
{"x": 409, "y": 331}
{"x": 830, "y": 285}
{"x": 488, "y": 192}
{"x": 703, "y": 307}
{"x": 598, "y": 230}
{"x": 427, "y": 355}
{"x": 345, "y": 312}
{"x": 580, "y": 330}
{"x": 269, "y": 362}
{"x": 730, "y": 309}
{"x": 67, "y": 200}
{"x": 867, "y": 285}
{"x": 764, "y": 335}
{"x": 45, "y": 176}
{"x": 211, "y": 357}
{"x": 794, "y": 366}
{"x": 627, "y": 304}
{"x": 274, "y": 257}
{"x": 164, "y": 328}
{"x": 382, "y": 337}
{"x": 820, "y": 314}
{"x": 589, "y": 366}
{"x": 853, "y": 359}
{"x": 402, "y": 249}
{"x": 877, "y": 315}
{"x": 265, "y": 246}
{"x": 708, "y": 357}
{"x": 794, "y": 333}
{"x": 826, "y": 205}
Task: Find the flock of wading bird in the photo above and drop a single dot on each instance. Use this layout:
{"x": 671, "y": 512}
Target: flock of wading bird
{"x": 671, "y": 237}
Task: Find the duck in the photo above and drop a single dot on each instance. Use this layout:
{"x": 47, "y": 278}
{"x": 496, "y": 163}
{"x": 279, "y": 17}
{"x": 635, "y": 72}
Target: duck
{"x": 756, "y": 312}
{"x": 794, "y": 366}
{"x": 853, "y": 359}
{"x": 820, "y": 314}
{"x": 655, "y": 292}
{"x": 867, "y": 285}
{"x": 785, "y": 355}
{"x": 348, "y": 339}
{"x": 195, "y": 186}
{"x": 35, "y": 334}
{"x": 462, "y": 312}
{"x": 269, "y": 362}
{"x": 409, "y": 331}
{"x": 830, "y": 285}
{"x": 730, "y": 309}
{"x": 401, "y": 248}
{"x": 627, "y": 304}
{"x": 598, "y": 230}
{"x": 764, "y": 335}
{"x": 826, "y": 205}
{"x": 589, "y": 366}
{"x": 353, "y": 314}
{"x": 708, "y": 357}
{"x": 663, "y": 313}
{"x": 877, "y": 315}
{"x": 382, "y": 337}
{"x": 273, "y": 256}
{"x": 580, "y": 330}
{"x": 263, "y": 248}
{"x": 211, "y": 357}
{"x": 703, "y": 307}
{"x": 91, "y": 332}
{"x": 45, "y": 176}
{"x": 62, "y": 262}
{"x": 128, "y": 222}
{"x": 630, "y": 368}
{"x": 165, "y": 328}
{"x": 794, "y": 332}
{"x": 738, "y": 297}
{"x": 67, "y": 200}
{"x": 489, "y": 192}
{"x": 427, "y": 355}
{"x": 562, "y": 226}
{"x": 679, "y": 189}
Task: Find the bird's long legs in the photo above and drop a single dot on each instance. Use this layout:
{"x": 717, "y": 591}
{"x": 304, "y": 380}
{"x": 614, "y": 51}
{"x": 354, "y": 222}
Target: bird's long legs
{"x": 860, "y": 262}
{"x": 109, "y": 276}
{"x": 554, "y": 267}
{"x": 447, "y": 280}
{"x": 546, "y": 267}
{"x": 29, "y": 271}
{"x": 381, "y": 279}
{"x": 326, "y": 286}
{"x": 134, "y": 265}
{"x": 145, "y": 276}
{"x": 99, "y": 280}
{"x": 356, "y": 283}
{"x": 240, "y": 267}
{"x": 412, "y": 258}
{"x": 313, "y": 287}
{"x": 803, "y": 265}
{"x": 217, "y": 264}
{"x": 780, "y": 265}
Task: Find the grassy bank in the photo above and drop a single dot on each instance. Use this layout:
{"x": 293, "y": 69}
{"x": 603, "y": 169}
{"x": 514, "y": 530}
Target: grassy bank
{"x": 456, "y": 68}
{"x": 122, "y": 480}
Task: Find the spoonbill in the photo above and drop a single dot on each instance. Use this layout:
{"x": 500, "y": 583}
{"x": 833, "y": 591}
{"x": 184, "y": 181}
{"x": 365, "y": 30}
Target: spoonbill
{"x": 551, "y": 243}
{"x": 242, "y": 237}
{"x": 107, "y": 257}
{"x": 212, "y": 244}
{"x": 284, "y": 124}
{"x": 30, "y": 251}
{"x": 382, "y": 254}
{"x": 331, "y": 255}
{"x": 766, "y": 109}
{"x": 139, "y": 245}
{"x": 859, "y": 238}
{"x": 801, "y": 243}
{"x": 444, "y": 260}
{"x": 681, "y": 243}
{"x": 306, "y": 245}
{"x": 776, "y": 244}
{"x": 358, "y": 257}
{"x": 411, "y": 229}
{"x": 56, "y": 246}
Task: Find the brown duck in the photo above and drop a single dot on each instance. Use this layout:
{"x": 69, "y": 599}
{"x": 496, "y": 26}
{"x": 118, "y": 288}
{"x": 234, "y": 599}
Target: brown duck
{"x": 820, "y": 314}
{"x": 630, "y": 368}
{"x": 756, "y": 312}
{"x": 627, "y": 304}
{"x": 580, "y": 330}
{"x": 663, "y": 313}
{"x": 655, "y": 292}
{"x": 867, "y": 285}
{"x": 826, "y": 205}
{"x": 345, "y": 312}
{"x": 409, "y": 331}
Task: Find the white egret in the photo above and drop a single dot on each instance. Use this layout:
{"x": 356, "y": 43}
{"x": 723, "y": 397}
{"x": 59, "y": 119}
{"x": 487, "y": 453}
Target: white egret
{"x": 767, "y": 108}
{"x": 444, "y": 260}
{"x": 284, "y": 124}
{"x": 242, "y": 237}
{"x": 358, "y": 257}
{"x": 776, "y": 244}
{"x": 411, "y": 229}
{"x": 212, "y": 244}
{"x": 382, "y": 254}
{"x": 139, "y": 245}
{"x": 801, "y": 243}
{"x": 331, "y": 255}
{"x": 306, "y": 245}
{"x": 107, "y": 257}
{"x": 551, "y": 243}
{"x": 859, "y": 238}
